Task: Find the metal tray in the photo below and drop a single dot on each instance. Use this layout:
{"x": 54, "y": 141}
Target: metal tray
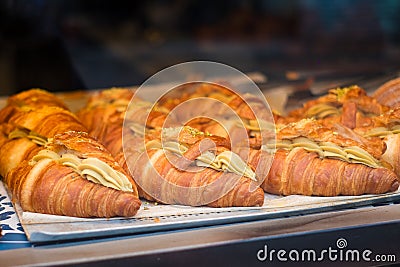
{"x": 153, "y": 218}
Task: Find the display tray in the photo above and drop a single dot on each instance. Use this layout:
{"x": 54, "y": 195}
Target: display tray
{"x": 153, "y": 217}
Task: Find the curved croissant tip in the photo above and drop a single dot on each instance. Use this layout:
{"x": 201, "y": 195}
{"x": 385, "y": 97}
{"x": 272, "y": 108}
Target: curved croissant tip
{"x": 388, "y": 93}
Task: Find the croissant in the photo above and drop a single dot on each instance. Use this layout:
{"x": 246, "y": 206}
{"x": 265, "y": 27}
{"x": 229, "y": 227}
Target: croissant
{"x": 36, "y": 98}
{"x": 14, "y": 152}
{"x": 349, "y": 106}
{"x": 48, "y": 187}
{"x": 104, "y": 115}
{"x": 314, "y": 160}
{"x": 27, "y": 100}
{"x": 200, "y": 187}
{"x": 387, "y": 128}
{"x": 221, "y": 111}
{"x": 219, "y": 100}
{"x": 109, "y": 131}
{"x": 26, "y": 129}
{"x": 51, "y": 164}
{"x": 174, "y": 178}
{"x": 388, "y": 93}
{"x": 73, "y": 175}
{"x": 47, "y": 121}
{"x": 301, "y": 172}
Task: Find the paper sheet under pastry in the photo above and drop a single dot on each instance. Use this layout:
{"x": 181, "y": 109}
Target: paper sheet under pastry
{"x": 272, "y": 203}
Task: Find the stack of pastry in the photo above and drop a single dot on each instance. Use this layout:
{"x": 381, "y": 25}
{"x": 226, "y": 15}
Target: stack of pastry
{"x": 193, "y": 178}
{"x": 118, "y": 148}
{"x": 319, "y": 149}
{"x": 51, "y": 165}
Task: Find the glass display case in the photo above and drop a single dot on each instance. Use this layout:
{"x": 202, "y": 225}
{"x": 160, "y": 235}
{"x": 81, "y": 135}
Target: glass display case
{"x": 295, "y": 49}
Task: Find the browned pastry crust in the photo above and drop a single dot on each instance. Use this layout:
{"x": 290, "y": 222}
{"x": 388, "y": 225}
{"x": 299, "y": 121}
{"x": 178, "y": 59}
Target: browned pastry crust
{"x": 386, "y": 127}
{"x": 301, "y": 172}
{"x": 389, "y": 93}
{"x": 36, "y": 98}
{"x": 240, "y": 104}
{"x": 86, "y": 147}
{"x": 202, "y": 184}
{"x": 50, "y": 187}
{"x": 337, "y": 134}
{"x": 14, "y": 152}
{"x": 350, "y": 106}
{"x": 47, "y": 185}
{"x": 105, "y": 121}
{"x": 104, "y": 114}
{"x": 172, "y": 179}
{"x": 47, "y": 121}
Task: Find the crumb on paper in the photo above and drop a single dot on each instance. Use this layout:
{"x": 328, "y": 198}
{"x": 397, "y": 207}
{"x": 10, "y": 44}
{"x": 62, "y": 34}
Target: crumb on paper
{"x": 156, "y": 220}
{"x": 146, "y": 208}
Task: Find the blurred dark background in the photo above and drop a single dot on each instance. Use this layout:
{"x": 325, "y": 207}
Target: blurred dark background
{"x": 64, "y": 45}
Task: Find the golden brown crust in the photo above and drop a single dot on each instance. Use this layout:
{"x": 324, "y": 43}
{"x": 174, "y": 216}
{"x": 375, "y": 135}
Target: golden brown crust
{"x": 195, "y": 185}
{"x": 48, "y": 187}
{"x": 86, "y": 147}
{"x": 36, "y": 98}
{"x": 301, "y": 172}
{"x": 389, "y": 93}
{"x": 350, "y": 106}
{"x": 387, "y": 122}
{"x": 14, "y": 152}
{"x": 355, "y": 104}
{"x": 45, "y": 185}
{"x": 337, "y": 134}
{"x": 47, "y": 121}
{"x": 337, "y": 97}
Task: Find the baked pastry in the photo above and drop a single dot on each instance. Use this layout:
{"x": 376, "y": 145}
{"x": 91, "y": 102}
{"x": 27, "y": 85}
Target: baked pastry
{"x": 216, "y": 109}
{"x": 36, "y": 98}
{"x": 104, "y": 114}
{"x": 349, "y": 106}
{"x": 190, "y": 167}
{"x": 388, "y": 94}
{"x": 143, "y": 149}
{"x": 312, "y": 159}
{"x": 51, "y": 164}
{"x": 14, "y": 151}
{"x": 301, "y": 172}
{"x": 73, "y": 176}
{"x": 387, "y": 128}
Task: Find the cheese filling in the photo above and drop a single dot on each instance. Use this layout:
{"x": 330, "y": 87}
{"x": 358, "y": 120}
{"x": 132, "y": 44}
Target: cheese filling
{"x": 383, "y": 131}
{"x": 320, "y": 111}
{"x": 91, "y": 169}
{"x": 225, "y": 161}
{"x": 258, "y": 125}
{"x": 352, "y": 154}
{"x": 25, "y": 133}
